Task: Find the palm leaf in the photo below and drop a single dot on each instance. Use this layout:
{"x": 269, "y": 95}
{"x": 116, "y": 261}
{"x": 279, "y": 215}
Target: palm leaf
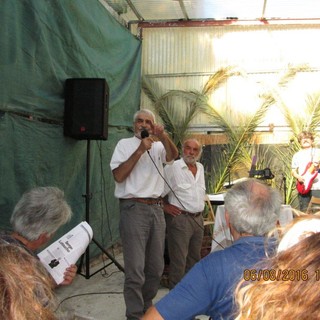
{"x": 218, "y": 79}
{"x": 238, "y": 138}
{"x": 151, "y": 89}
{"x": 177, "y": 116}
{"x": 290, "y": 73}
{"x": 313, "y": 112}
{"x": 177, "y": 120}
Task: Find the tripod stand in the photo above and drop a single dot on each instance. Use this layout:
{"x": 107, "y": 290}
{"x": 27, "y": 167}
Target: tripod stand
{"x": 86, "y": 255}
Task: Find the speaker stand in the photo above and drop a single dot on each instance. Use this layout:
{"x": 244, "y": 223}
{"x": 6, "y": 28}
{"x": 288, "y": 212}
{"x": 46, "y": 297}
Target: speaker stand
{"x": 86, "y": 255}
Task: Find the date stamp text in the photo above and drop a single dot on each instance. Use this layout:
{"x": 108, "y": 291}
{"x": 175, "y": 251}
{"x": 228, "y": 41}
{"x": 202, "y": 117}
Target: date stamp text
{"x": 278, "y": 275}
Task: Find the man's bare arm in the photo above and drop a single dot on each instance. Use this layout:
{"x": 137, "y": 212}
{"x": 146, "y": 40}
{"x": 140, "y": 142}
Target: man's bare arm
{"x": 171, "y": 150}
{"x": 122, "y": 172}
{"x": 295, "y": 174}
{"x": 152, "y": 314}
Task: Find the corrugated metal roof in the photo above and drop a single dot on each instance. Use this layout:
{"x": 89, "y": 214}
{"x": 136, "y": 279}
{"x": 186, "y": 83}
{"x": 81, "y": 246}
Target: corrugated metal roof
{"x": 167, "y": 10}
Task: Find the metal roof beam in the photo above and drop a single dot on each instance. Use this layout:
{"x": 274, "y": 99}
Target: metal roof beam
{"x": 183, "y": 9}
{"x": 134, "y": 10}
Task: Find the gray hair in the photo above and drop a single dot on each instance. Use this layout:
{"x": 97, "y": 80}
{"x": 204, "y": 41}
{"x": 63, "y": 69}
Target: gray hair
{"x": 253, "y": 207}
{"x": 145, "y": 111}
{"x": 40, "y": 210}
{"x": 196, "y": 141}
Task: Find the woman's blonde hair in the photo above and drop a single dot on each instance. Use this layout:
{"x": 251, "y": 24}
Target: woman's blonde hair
{"x": 25, "y": 286}
{"x": 288, "y": 285}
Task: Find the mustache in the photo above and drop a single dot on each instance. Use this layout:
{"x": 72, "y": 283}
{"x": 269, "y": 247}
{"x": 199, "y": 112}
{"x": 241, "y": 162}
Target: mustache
{"x": 189, "y": 158}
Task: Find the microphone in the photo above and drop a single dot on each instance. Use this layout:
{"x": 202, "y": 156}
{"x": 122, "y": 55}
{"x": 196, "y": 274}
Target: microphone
{"x": 144, "y": 134}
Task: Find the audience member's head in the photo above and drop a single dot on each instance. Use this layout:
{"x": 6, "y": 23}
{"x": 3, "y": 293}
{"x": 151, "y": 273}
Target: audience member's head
{"x": 252, "y": 208}
{"x": 288, "y": 286}
{"x": 40, "y": 211}
{"x": 25, "y": 287}
{"x": 300, "y": 228}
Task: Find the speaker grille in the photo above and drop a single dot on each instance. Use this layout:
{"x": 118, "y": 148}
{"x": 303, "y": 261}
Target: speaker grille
{"x": 86, "y": 108}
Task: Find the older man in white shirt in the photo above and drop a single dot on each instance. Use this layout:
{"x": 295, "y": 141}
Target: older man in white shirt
{"x": 183, "y": 206}
{"x": 137, "y": 167}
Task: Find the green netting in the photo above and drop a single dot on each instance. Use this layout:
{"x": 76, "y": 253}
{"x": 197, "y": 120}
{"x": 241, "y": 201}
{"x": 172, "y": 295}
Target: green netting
{"x": 42, "y": 43}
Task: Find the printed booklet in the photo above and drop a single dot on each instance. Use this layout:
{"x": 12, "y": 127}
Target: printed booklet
{"x": 66, "y": 250}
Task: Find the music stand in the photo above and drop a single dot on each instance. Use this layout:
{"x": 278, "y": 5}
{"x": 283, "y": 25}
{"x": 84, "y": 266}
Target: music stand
{"x": 86, "y": 255}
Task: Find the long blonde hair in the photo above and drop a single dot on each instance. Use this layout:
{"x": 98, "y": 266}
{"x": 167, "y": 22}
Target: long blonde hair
{"x": 25, "y": 286}
{"x": 288, "y": 285}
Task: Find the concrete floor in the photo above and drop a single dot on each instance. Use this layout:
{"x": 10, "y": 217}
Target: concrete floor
{"x": 98, "y": 298}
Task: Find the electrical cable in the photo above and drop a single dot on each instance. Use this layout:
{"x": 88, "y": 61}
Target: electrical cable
{"x": 86, "y": 294}
{"x": 200, "y": 226}
{"x": 90, "y": 293}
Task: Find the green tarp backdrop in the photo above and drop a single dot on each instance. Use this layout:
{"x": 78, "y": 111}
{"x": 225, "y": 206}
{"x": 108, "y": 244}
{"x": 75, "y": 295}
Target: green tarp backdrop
{"x": 42, "y": 43}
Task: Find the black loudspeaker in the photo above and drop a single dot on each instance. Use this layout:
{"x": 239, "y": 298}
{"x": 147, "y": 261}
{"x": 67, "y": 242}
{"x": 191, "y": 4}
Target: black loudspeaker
{"x": 86, "y": 108}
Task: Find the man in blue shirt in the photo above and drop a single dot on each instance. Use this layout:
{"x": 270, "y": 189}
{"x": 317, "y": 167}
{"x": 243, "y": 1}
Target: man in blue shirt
{"x": 252, "y": 210}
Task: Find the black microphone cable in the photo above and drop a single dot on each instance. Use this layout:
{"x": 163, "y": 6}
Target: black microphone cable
{"x": 145, "y": 134}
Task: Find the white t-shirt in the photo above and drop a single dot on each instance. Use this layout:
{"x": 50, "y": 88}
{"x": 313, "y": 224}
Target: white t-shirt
{"x": 302, "y": 158}
{"x": 189, "y": 189}
{"x": 144, "y": 180}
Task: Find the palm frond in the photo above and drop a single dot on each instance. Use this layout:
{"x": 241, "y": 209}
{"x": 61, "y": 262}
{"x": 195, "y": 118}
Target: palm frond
{"x": 177, "y": 120}
{"x": 151, "y": 89}
{"x": 218, "y": 79}
{"x": 220, "y": 120}
{"x": 290, "y": 73}
{"x": 238, "y": 138}
{"x": 292, "y": 121}
{"x": 313, "y": 112}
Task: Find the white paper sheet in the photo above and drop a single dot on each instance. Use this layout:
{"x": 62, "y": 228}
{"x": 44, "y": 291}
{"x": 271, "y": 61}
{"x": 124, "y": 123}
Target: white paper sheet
{"x": 66, "y": 250}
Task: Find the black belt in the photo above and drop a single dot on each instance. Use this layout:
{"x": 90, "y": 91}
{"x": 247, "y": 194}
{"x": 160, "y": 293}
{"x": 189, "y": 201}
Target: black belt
{"x": 196, "y": 214}
{"x": 149, "y": 201}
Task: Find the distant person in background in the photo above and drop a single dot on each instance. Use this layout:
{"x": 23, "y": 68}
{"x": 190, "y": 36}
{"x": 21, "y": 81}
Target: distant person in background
{"x": 252, "y": 211}
{"x": 183, "y": 207}
{"x": 36, "y": 217}
{"x": 137, "y": 166}
{"x": 305, "y": 165}
{"x": 289, "y": 285}
{"x": 25, "y": 286}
